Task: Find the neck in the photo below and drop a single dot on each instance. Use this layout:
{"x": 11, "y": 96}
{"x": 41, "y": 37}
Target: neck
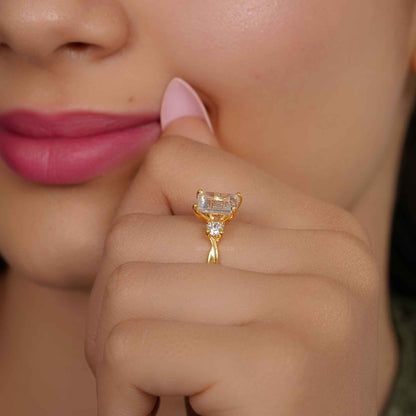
{"x": 42, "y": 329}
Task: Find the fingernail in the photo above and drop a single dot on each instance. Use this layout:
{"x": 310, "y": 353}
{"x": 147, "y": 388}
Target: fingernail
{"x": 181, "y": 100}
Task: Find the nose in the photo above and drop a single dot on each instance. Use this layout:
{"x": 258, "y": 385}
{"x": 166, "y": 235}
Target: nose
{"x": 41, "y": 29}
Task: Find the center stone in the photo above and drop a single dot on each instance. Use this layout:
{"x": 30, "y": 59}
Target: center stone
{"x": 216, "y": 202}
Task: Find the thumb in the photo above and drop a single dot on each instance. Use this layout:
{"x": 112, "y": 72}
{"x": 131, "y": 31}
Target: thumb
{"x": 183, "y": 114}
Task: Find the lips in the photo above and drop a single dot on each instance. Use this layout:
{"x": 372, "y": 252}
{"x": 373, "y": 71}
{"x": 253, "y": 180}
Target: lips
{"x": 69, "y": 148}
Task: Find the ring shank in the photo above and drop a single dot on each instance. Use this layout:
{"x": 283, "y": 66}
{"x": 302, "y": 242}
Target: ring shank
{"x": 213, "y": 256}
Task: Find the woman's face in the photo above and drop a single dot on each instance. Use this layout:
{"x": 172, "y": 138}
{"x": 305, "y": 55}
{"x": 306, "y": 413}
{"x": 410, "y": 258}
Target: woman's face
{"x": 310, "y": 90}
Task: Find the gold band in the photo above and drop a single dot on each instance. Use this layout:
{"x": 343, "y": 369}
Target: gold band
{"x": 216, "y": 209}
{"x": 213, "y": 252}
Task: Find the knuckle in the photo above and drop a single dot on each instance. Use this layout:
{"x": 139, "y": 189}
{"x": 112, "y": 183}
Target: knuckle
{"x": 123, "y": 283}
{"x": 117, "y": 287}
{"x": 116, "y": 236}
{"x": 348, "y": 222}
{"x": 343, "y": 317}
{"x": 117, "y": 345}
{"x": 359, "y": 262}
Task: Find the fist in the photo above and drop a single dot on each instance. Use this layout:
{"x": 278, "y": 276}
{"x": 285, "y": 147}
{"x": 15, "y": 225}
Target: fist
{"x": 285, "y": 324}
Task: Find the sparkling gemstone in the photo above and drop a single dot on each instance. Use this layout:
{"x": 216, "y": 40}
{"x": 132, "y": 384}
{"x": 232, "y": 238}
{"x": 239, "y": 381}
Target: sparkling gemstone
{"x": 215, "y": 227}
{"x": 216, "y": 202}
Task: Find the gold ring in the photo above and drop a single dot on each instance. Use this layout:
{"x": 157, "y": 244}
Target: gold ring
{"x": 216, "y": 208}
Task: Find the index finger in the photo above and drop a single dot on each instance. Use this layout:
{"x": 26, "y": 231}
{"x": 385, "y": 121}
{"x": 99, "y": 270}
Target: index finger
{"x": 176, "y": 166}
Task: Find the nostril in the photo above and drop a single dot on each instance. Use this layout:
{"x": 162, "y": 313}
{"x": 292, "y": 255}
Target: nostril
{"x": 78, "y": 46}
{"x": 4, "y": 46}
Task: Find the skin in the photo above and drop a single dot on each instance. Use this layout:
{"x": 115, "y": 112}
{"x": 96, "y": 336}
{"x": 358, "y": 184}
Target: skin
{"x": 316, "y": 94}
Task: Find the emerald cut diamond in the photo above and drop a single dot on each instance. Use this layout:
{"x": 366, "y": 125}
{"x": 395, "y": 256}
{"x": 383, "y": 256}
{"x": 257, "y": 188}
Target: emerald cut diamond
{"x": 217, "y": 203}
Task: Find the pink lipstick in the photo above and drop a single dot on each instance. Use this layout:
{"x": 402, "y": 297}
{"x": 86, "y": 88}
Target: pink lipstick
{"x": 70, "y": 148}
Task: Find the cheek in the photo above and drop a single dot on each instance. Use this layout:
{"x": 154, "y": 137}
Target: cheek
{"x": 295, "y": 85}
{"x": 238, "y": 42}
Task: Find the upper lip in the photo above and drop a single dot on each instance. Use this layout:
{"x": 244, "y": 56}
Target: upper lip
{"x": 70, "y": 124}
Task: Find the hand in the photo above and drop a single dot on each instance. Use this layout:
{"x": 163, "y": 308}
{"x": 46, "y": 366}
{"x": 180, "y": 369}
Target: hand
{"x": 284, "y": 325}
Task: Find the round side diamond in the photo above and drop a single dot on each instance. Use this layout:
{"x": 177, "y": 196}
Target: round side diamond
{"x": 215, "y": 228}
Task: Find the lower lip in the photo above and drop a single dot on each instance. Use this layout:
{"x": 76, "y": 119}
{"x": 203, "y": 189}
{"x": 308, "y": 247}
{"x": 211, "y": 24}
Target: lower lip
{"x": 73, "y": 160}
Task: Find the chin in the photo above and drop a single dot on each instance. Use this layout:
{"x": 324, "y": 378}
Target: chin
{"x": 70, "y": 265}
{"x": 83, "y": 284}
{"x": 59, "y": 239}
{"x": 58, "y": 276}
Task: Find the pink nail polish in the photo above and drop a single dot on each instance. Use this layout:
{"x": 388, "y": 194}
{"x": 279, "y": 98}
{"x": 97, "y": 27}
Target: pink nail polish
{"x": 181, "y": 100}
